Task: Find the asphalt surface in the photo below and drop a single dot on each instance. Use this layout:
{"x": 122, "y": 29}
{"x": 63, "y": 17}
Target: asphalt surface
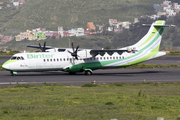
{"x": 100, "y": 76}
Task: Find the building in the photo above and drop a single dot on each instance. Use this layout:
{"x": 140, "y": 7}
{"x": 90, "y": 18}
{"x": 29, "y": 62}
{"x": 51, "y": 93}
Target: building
{"x": 9, "y": 5}
{"x": 21, "y": 2}
{"x": 86, "y": 32}
{"x": 113, "y": 22}
{"x": 6, "y": 39}
{"x": 154, "y": 17}
{"x": 22, "y": 36}
{"x": 66, "y": 33}
{"x": 91, "y": 27}
{"x": 49, "y": 34}
{"x": 60, "y": 31}
{"x": 16, "y": 4}
{"x": 126, "y": 24}
{"x": 40, "y": 36}
{"x": 31, "y": 36}
{"x": 56, "y": 35}
{"x": 79, "y": 31}
{"x": 39, "y": 30}
{"x": 18, "y": 38}
{"x": 136, "y": 20}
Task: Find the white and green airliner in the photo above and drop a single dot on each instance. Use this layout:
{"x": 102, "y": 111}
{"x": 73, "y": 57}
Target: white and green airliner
{"x": 87, "y": 60}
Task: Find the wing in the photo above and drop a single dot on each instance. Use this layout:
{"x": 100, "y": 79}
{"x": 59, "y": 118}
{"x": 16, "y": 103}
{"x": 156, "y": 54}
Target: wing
{"x": 48, "y": 48}
{"x": 110, "y": 52}
{"x": 38, "y": 47}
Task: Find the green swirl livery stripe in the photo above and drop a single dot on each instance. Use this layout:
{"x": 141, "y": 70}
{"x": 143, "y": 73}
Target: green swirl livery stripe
{"x": 155, "y": 30}
{"x": 10, "y": 61}
{"x": 148, "y": 51}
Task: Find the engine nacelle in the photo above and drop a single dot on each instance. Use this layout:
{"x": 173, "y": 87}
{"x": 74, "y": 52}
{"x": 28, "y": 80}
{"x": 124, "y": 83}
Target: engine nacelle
{"x": 83, "y": 54}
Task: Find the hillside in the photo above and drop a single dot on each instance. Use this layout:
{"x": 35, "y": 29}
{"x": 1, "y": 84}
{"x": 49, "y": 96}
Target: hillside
{"x": 70, "y": 13}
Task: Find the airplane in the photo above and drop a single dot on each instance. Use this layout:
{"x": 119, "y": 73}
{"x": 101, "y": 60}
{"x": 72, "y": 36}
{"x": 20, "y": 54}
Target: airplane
{"x": 87, "y": 60}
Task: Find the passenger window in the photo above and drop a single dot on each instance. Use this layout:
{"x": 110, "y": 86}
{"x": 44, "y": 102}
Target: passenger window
{"x": 44, "y": 60}
{"x": 48, "y": 60}
{"x": 60, "y": 59}
{"x": 107, "y": 58}
{"x": 119, "y": 57}
{"x": 57, "y": 59}
{"x": 54, "y": 59}
{"x": 64, "y": 59}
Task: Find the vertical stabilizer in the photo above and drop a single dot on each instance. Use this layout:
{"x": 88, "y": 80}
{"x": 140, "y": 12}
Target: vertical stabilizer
{"x": 153, "y": 38}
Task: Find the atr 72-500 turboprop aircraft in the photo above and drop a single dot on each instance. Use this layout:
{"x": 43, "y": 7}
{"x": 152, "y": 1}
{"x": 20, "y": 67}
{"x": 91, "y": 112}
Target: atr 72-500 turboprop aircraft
{"x": 87, "y": 60}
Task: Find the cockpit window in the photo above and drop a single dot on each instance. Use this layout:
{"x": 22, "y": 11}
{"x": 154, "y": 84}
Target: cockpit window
{"x": 22, "y": 58}
{"x": 13, "y": 58}
{"x": 17, "y": 58}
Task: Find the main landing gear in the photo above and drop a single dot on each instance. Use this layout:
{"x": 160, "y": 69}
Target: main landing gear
{"x": 88, "y": 72}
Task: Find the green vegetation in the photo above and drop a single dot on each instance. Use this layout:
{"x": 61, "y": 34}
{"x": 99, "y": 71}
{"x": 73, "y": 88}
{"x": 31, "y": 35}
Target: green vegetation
{"x": 1, "y": 69}
{"x": 174, "y": 53}
{"x": 51, "y": 14}
{"x": 10, "y": 52}
{"x": 150, "y": 66}
{"x": 145, "y": 101}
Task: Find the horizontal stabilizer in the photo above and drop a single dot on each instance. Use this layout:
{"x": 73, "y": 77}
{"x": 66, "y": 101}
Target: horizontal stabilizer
{"x": 148, "y": 25}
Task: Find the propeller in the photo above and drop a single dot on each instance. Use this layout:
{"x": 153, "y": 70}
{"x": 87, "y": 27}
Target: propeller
{"x": 74, "y": 53}
{"x": 44, "y": 47}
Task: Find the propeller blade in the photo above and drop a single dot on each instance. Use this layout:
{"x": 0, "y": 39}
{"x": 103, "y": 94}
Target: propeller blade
{"x": 76, "y": 57}
{"x": 77, "y": 49}
{"x": 40, "y": 46}
{"x": 74, "y": 53}
{"x": 69, "y": 52}
{"x": 72, "y": 45}
{"x": 44, "y": 48}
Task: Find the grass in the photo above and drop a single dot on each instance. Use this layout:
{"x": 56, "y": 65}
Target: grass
{"x": 174, "y": 53}
{"x": 141, "y": 101}
{"x": 1, "y": 69}
{"x": 150, "y": 66}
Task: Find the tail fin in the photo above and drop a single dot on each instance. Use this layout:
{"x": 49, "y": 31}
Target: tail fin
{"x": 153, "y": 38}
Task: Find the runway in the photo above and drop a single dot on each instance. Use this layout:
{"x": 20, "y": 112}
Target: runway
{"x": 101, "y": 77}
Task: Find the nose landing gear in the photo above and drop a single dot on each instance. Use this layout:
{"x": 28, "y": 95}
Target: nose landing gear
{"x": 13, "y": 73}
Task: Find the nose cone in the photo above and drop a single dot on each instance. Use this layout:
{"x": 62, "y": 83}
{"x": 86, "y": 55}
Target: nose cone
{"x": 7, "y": 64}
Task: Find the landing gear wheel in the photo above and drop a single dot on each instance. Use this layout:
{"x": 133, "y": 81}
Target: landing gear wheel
{"x": 88, "y": 72}
{"x": 72, "y": 73}
{"x": 12, "y": 74}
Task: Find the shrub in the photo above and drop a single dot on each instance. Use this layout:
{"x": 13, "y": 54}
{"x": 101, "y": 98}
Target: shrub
{"x": 90, "y": 85}
{"x": 109, "y": 103}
